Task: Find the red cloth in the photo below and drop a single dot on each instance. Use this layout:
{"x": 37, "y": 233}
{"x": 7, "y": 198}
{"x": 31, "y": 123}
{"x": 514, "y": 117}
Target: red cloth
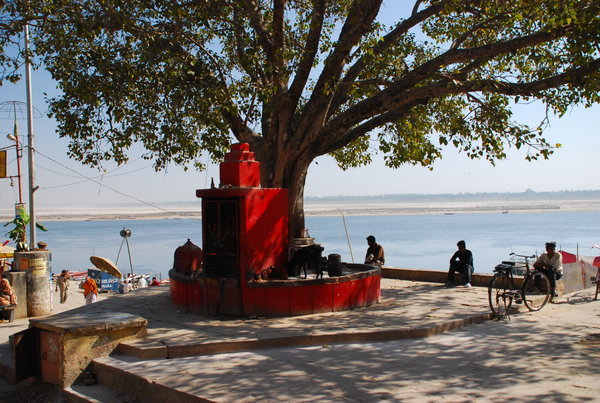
{"x": 568, "y": 257}
{"x": 90, "y": 286}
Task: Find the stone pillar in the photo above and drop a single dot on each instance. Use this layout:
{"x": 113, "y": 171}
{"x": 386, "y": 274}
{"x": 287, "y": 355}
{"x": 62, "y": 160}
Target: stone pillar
{"x": 37, "y": 266}
{"x": 18, "y": 282}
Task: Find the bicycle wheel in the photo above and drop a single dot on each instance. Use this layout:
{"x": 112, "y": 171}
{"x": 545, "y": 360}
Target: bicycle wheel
{"x": 500, "y": 294}
{"x": 536, "y": 290}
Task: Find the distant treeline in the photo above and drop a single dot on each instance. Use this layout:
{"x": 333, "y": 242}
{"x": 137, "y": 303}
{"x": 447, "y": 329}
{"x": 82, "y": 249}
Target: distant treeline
{"x": 522, "y": 196}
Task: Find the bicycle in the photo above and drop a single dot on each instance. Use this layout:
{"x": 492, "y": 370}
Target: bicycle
{"x": 534, "y": 292}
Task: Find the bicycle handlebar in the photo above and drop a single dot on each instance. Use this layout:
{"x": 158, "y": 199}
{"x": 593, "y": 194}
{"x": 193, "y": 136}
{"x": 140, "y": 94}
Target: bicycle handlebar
{"x": 525, "y": 256}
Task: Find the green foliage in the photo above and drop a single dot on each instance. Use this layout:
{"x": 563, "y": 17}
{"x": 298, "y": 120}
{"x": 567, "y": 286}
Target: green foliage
{"x": 298, "y": 79}
{"x": 17, "y": 234}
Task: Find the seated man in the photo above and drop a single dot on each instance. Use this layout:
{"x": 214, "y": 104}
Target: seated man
{"x": 375, "y": 253}
{"x": 462, "y": 262}
{"x": 550, "y": 263}
{"x": 126, "y": 287}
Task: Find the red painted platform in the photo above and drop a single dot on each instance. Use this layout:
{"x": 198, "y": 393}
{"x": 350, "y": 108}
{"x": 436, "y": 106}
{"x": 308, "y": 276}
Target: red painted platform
{"x": 244, "y": 232}
{"x": 359, "y": 287}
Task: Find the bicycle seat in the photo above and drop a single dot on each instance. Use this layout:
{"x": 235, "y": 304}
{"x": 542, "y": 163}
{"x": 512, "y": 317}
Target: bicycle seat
{"x": 503, "y": 267}
{"x": 509, "y": 262}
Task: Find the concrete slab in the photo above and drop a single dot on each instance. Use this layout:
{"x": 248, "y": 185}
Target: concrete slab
{"x": 69, "y": 342}
{"x": 548, "y": 355}
{"x": 408, "y": 309}
{"x": 88, "y": 322}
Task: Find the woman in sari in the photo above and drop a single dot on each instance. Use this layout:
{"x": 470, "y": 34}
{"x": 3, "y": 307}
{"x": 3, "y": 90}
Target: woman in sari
{"x": 7, "y": 296}
{"x": 90, "y": 290}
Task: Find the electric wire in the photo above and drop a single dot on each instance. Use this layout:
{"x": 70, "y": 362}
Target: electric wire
{"x": 100, "y": 177}
{"x": 105, "y": 174}
{"x": 108, "y": 187}
{"x": 65, "y": 185}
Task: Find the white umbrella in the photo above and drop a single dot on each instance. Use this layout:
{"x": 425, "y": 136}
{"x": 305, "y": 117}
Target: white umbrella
{"x": 6, "y": 252}
{"x": 106, "y": 266}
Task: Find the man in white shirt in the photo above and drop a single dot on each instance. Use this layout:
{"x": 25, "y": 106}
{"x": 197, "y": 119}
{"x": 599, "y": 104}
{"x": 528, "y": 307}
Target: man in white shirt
{"x": 550, "y": 263}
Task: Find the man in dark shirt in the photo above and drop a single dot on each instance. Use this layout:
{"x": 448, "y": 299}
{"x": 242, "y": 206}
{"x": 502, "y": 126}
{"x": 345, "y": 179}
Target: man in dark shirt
{"x": 375, "y": 253}
{"x": 462, "y": 262}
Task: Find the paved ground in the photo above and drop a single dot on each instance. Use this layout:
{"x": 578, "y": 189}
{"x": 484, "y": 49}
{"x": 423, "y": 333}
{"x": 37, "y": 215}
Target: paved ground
{"x": 404, "y": 305}
{"x": 552, "y": 354}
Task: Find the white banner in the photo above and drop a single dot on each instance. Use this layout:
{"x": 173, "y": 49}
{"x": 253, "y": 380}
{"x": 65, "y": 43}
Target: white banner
{"x": 577, "y": 275}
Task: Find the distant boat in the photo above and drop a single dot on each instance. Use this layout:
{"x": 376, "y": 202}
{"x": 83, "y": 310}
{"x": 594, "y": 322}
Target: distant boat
{"x": 449, "y": 213}
{"x": 505, "y": 212}
{"x": 75, "y": 275}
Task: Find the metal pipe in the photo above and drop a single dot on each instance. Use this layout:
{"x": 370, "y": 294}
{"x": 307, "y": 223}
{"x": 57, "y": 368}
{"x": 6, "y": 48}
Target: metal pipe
{"x": 18, "y": 148}
{"x": 347, "y": 237}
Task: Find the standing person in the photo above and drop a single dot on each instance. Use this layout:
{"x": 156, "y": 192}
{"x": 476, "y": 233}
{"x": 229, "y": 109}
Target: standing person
{"x": 375, "y": 254}
{"x": 90, "y": 290}
{"x": 62, "y": 284}
{"x": 462, "y": 262}
{"x": 550, "y": 263}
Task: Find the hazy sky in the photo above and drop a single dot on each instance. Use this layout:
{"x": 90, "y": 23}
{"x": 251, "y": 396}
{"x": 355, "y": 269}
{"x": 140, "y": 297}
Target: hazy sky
{"x": 63, "y": 183}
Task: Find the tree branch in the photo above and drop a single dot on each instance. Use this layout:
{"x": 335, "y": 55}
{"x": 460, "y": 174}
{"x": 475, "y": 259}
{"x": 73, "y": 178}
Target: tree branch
{"x": 578, "y": 76}
{"x": 416, "y": 7}
{"x": 388, "y": 40}
{"x": 238, "y": 127}
{"x": 338, "y": 138}
{"x": 249, "y": 67}
{"x": 255, "y": 17}
{"x": 357, "y": 121}
{"x": 279, "y": 42}
{"x": 307, "y": 59}
{"x": 359, "y": 20}
{"x": 452, "y": 56}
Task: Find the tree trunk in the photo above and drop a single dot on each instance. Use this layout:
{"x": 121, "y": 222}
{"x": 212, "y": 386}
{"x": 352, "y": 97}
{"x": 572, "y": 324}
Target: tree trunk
{"x": 285, "y": 170}
{"x": 296, "y": 204}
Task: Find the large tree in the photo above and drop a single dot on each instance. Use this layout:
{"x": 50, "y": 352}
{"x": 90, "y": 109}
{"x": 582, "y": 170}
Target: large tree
{"x": 298, "y": 79}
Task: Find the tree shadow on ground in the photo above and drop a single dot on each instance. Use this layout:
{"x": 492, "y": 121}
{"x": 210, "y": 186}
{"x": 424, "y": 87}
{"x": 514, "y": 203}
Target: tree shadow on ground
{"x": 408, "y": 305}
{"x": 525, "y": 358}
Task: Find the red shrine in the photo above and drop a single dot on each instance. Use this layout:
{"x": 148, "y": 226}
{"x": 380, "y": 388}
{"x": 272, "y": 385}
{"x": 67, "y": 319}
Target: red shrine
{"x": 244, "y": 231}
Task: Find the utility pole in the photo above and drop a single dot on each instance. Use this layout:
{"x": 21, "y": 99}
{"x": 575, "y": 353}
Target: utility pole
{"x": 30, "y": 154}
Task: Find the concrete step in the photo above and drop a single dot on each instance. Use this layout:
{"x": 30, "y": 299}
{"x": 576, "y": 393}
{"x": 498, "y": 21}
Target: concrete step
{"x": 94, "y": 394}
{"x": 7, "y": 370}
{"x": 126, "y": 383}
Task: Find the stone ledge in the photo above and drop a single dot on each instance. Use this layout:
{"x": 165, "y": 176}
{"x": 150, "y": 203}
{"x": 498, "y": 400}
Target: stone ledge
{"x": 69, "y": 342}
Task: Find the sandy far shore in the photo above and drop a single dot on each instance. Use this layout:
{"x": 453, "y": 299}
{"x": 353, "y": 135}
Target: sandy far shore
{"x": 335, "y": 209}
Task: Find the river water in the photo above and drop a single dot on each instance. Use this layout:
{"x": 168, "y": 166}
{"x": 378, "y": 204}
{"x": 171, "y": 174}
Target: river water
{"x": 416, "y": 241}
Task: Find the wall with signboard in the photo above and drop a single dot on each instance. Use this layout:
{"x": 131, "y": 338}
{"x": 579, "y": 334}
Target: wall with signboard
{"x": 104, "y": 280}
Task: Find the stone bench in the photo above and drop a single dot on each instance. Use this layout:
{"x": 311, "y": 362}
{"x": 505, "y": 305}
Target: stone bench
{"x": 68, "y": 342}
